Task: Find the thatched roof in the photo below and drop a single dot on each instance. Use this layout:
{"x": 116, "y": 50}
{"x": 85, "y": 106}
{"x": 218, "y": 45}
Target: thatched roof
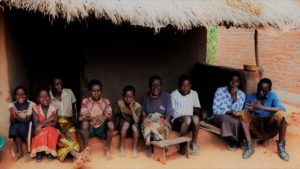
{"x": 182, "y": 14}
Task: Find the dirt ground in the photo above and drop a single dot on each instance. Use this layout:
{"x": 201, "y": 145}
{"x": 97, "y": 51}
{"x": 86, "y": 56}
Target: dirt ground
{"x": 213, "y": 154}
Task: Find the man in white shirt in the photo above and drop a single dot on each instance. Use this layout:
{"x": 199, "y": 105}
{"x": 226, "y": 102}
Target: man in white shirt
{"x": 186, "y": 107}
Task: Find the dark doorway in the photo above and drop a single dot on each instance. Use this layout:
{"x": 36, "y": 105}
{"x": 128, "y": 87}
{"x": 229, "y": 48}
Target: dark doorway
{"x": 46, "y": 50}
{"x": 117, "y": 55}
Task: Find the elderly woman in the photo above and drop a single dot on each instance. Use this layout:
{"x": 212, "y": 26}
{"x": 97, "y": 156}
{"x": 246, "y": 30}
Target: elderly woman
{"x": 156, "y": 112}
{"x": 228, "y": 102}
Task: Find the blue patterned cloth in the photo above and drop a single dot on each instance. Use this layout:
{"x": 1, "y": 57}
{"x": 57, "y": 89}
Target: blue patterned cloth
{"x": 271, "y": 100}
{"x": 223, "y": 101}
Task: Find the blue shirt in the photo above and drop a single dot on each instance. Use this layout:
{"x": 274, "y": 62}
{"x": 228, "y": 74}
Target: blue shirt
{"x": 270, "y": 101}
{"x": 223, "y": 101}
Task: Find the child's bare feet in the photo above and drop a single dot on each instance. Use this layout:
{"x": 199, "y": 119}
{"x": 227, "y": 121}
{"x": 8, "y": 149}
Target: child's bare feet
{"x": 28, "y": 157}
{"x": 135, "y": 153}
{"x": 17, "y": 157}
{"x": 122, "y": 152}
{"x": 108, "y": 155}
{"x": 195, "y": 149}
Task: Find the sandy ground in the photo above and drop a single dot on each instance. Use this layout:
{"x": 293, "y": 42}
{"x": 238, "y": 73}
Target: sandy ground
{"x": 213, "y": 154}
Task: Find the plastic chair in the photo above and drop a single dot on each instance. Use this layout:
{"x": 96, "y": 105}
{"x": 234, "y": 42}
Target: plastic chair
{"x": 28, "y": 141}
{"x": 2, "y": 143}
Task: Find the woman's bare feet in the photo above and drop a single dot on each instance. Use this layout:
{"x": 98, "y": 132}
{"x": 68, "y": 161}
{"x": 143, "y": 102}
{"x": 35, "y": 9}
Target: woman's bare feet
{"x": 79, "y": 163}
{"x": 82, "y": 158}
{"x": 85, "y": 154}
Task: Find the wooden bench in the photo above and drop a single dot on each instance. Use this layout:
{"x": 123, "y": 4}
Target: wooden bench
{"x": 210, "y": 128}
{"x": 159, "y": 147}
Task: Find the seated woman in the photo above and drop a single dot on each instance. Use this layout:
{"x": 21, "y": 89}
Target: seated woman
{"x": 228, "y": 102}
{"x": 46, "y": 135}
{"x": 129, "y": 111}
{"x": 186, "y": 106}
{"x": 20, "y": 116}
{"x": 156, "y": 112}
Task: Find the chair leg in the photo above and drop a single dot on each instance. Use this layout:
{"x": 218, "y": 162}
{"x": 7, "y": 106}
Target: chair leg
{"x": 159, "y": 154}
{"x": 29, "y": 137}
{"x": 187, "y": 150}
{"x": 163, "y": 158}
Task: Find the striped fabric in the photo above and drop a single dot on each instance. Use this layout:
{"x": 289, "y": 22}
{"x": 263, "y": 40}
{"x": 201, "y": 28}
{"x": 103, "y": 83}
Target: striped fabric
{"x": 184, "y": 105}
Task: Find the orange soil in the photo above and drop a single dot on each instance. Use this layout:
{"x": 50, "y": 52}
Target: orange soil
{"x": 213, "y": 154}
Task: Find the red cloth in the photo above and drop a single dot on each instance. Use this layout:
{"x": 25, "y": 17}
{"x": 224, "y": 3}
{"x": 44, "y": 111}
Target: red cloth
{"x": 47, "y": 139}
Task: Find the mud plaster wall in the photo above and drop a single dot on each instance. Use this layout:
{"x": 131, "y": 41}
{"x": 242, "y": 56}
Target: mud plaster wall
{"x": 4, "y": 85}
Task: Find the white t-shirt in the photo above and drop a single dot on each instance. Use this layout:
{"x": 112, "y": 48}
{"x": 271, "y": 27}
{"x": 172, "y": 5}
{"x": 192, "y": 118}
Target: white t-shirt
{"x": 65, "y": 106}
{"x": 184, "y": 105}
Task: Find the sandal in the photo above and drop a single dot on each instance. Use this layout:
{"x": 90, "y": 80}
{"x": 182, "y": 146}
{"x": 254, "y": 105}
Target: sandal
{"x": 50, "y": 157}
{"x": 38, "y": 157}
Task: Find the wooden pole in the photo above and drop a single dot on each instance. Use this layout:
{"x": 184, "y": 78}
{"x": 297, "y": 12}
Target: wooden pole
{"x": 256, "y": 48}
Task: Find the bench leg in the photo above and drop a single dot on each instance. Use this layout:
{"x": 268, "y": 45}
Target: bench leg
{"x": 187, "y": 150}
{"x": 160, "y": 154}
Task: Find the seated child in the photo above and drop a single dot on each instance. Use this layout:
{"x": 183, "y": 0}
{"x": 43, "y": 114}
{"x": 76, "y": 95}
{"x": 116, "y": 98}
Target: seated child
{"x": 20, "y": 116}
{"x": 46, "y": 135}
{"x": 95, "y": 115}
{"x": 129, "y": 112}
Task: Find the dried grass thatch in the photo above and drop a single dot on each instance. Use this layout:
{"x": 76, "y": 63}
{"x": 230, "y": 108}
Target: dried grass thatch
{"x": 182, "y": 14}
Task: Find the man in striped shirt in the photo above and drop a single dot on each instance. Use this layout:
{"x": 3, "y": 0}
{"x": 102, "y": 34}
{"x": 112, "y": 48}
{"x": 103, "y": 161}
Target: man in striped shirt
{"x": 186, "y": 107}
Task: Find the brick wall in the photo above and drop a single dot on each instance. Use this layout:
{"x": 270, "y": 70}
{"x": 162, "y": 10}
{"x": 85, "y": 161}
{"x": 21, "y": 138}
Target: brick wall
{"x": 279, "y": 54}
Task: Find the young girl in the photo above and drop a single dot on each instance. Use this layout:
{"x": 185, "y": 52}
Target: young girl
{"x": 46, "y": 135}
{"x": 129, "y": 112}
{"x": 20, "y": 116}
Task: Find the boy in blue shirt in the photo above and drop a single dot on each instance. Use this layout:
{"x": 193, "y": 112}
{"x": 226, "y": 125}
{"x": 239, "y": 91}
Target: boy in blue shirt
{"x": 264, "y": 116}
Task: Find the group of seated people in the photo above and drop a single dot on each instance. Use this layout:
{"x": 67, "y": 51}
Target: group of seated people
{"x": 59, "y": 132}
